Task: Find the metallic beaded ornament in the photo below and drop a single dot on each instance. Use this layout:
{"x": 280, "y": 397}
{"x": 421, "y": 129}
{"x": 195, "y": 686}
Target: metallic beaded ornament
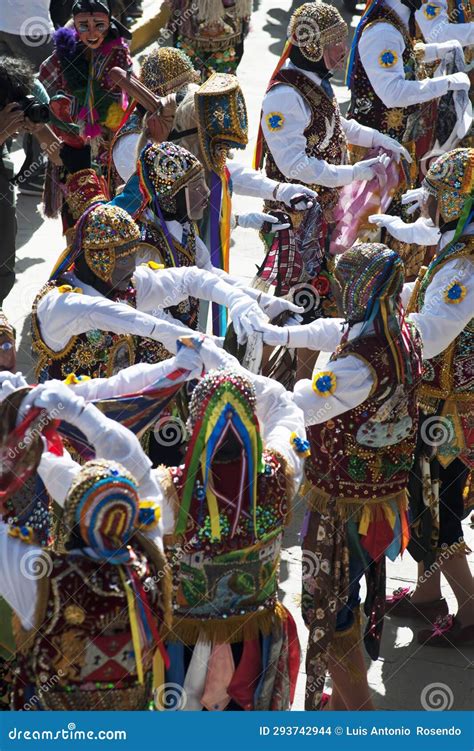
{"x": 313, "y": 26}
{"x": 163, "y": 169}
{"x": 451, "y": 180}
{"x": 167, "y": 69}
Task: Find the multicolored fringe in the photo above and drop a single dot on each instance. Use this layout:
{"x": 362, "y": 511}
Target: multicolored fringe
{"x": 258, "y": 153}
{"x": 368, "y": 10}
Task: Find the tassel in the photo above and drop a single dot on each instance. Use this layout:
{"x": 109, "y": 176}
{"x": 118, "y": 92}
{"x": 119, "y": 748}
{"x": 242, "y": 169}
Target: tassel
{"x": 158, "y": 679}
{"x": 134, "y": 626}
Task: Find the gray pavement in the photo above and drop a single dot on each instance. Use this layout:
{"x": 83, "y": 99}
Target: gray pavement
{"x": 399, "y": 677}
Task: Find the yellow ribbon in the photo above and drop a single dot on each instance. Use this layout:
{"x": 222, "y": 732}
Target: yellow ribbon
{"x": 132, "y": 614}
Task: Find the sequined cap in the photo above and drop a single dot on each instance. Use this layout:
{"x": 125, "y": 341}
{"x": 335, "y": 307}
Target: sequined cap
{"x": 163, "y": 169}
{"x": 213, "y": 386}
{"x": 166, "y": 69}
{"x": 103, "y": 506}
{"x": 108, "y": 231}
{"x": 222, "y": 119}
{"x": 365, "y": 272}
{"x": 451, "y": 180}
{"x": 313, "y": 26}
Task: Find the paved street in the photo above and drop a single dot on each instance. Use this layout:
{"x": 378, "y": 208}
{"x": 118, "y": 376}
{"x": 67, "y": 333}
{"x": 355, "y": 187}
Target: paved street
{"x": 405, "y": 669}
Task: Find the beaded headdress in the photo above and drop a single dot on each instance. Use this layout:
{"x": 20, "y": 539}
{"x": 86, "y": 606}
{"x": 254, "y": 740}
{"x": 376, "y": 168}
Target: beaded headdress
{"x": 166, "y": 69}
{"x": 371, "y": 277}
{"x": 451, "y": 180}
{"x": 222, "y": 406}
{"x": 103, "y": 505}
{"x": 313, "y": 26}
{"x": 222, "y": 119}
{"x": 163, "y": 169}
{"x": 102, "y": 233}
{"x": 83, "y": 189}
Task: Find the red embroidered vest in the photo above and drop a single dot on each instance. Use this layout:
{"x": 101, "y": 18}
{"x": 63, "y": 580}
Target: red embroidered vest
{"x": 80, "y": 655}
{"x": 364, "y": 455}
{"x": 324, "y": 135}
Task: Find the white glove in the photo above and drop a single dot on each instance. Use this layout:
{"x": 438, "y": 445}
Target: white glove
{"x": 273, "y": 306}
{"x": 392, "y": 145}
{"x": 213, "y": 357}
{"x": 442, "y": 48}
{"x": 256, "y": 220}
{"x": 416, "y": 197}
{"x": 421, "y": 232}
{"x": 247, "y": 317}
{"x": 367, "y": 169}
{"x": 288, "y": 192}
{"x": 458, "y": 82}
{"x": 275, "y": 336}
{"x": 190, "y": 359}
{"x": 60, "y": 401}
{"x": 10, "y": 382}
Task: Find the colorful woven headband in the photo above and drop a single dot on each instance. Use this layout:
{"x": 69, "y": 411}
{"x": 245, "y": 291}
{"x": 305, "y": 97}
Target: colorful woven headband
{"x": 365, "y": 272}
{"x": 103, "y": 504}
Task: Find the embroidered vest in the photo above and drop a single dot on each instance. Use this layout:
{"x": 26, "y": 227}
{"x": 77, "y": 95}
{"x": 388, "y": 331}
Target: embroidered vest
{"x": 80, "y": 655}
{"x": 228, "y": 588}
{"x": 96, "y": 353}
{"x": 449, "y": 375}
{"x": 364, "y": 455}
{"x": 324, "y": 135}
{"x": 365, "y": 106}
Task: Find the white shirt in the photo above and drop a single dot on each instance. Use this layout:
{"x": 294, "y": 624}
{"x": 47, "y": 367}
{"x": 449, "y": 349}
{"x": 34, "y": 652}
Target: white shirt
{"x": 62, "y": 315}
{"x": 389, "y": 83}
{"x": 288, "y": 143}
{"x": 434, "y": 23}
{"x": 439, "y": 323}
{"x": 26, "y": 18}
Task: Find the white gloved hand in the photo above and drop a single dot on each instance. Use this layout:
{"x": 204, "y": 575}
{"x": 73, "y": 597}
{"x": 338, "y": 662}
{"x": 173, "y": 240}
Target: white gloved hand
{"x": 442, "y": 48}
{"x": 272, "y": 306}
{"x": 59, "y": 400}
{"x": 246, "y": 318}
{"x": 10, "y": 382}
{"x": 458, "y": 82}
{"x": 288, "y": 193}
{"x": 190, "y": 359}
{"x": 421, "y": 232}
{"x": 256, "y": 220}
{"x": 416, "y": 197}
{"x": 367, "y": 169}
{"x": 275, "y": 336}
{"x": 392, "y": 145}
{"x": 213, "y": 357}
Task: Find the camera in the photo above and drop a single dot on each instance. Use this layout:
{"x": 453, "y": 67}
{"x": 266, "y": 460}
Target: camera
{"x": 35, "y": 111}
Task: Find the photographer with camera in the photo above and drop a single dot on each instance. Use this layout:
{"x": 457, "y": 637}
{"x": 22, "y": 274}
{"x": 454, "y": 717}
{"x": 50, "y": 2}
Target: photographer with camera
{"x": 23, "y": 109}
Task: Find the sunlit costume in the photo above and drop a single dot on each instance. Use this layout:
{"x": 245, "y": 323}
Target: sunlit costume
{"x": 211, "y": 32}
{"x": 439, "y": 488}
{"x": 84, "y": 102}
{"x": 304, "y": 137}
{"x": 444, "y": 20}
{"x": 390, "y": 90}
{"x": 89, "y": 627}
